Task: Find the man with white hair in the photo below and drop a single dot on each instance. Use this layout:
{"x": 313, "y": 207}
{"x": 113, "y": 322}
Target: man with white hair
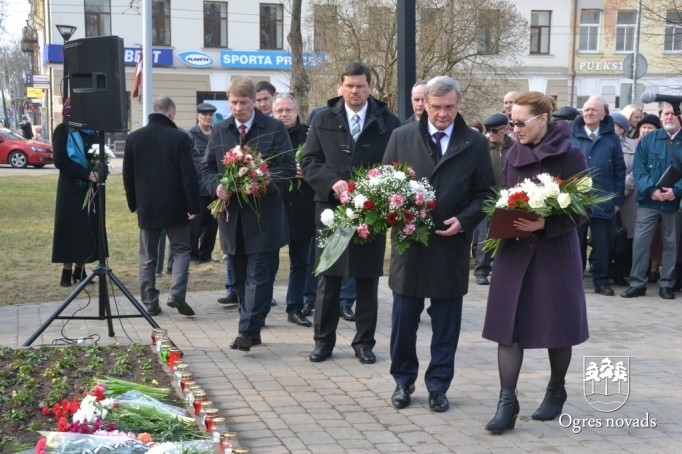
{"x": 594, "y": 134}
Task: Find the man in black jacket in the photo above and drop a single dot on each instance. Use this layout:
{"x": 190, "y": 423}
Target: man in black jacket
{"x": 161, "y": 185}
{"x": 351, "y": 133}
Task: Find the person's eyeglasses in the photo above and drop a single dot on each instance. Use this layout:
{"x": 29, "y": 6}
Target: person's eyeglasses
{"x": 522, "y": 124}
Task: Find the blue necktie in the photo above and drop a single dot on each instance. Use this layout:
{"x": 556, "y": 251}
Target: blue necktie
{"x": 355, "y": 127}
{"x": 437, "y": 136}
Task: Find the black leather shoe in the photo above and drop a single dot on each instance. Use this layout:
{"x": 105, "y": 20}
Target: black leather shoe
{"x": 482, "y": 280}
{"x": 620, "y": 281}
{"x": 603, "y": 290}
{"x": 229, "y": 298}
{"x": 365, "y": 355}
{"x": 632, "y": 292}
{"x": 182, "y": 306}
{"x": 401, "y": 396}
{"x": 321, "y": 353}
{"x": 299, "y": 319}
{"x": 347, "y": 314}
{"x": 308, "y": 307}
{"x": 666, "y": 293}
{"x": 243, "y": 342}
{"x": 438, "y": 402}
{"x": 154, "y": 311}
{"x": 255, "y": 340}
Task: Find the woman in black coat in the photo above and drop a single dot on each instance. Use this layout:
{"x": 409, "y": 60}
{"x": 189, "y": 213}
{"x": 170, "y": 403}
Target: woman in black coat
{"x": 76, "y": 229}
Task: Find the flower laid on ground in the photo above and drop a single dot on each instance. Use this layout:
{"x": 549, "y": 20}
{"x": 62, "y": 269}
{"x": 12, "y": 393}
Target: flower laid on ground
{"x": 383, "y": 197}
{"x": 110, "y": 424}
{"x": 545, "y": 195}
{"x": 246, "y": 174}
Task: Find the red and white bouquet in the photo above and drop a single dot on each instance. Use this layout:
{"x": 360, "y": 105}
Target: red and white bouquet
{"x": 388, "y": 196}
{"x": 541, "y": 196}
{"x": 246, "y": 174}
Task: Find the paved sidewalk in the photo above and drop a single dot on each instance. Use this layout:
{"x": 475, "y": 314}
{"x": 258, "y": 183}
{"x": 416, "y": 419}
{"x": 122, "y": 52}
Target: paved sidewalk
{"x": 279, "y": 402}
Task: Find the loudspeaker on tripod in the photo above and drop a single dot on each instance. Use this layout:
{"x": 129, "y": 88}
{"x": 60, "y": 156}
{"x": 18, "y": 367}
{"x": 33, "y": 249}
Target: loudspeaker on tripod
{"x": 96, "y": 75}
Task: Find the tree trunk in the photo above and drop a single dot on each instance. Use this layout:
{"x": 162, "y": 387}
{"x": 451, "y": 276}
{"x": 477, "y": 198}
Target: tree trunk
{"x": 300, "y": 81}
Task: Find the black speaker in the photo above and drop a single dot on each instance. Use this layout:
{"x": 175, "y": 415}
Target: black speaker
{"x": 96, "y": 78}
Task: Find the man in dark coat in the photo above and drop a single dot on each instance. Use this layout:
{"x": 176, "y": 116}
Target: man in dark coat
{"x": 456, "y": 161}
{"x": 351, "y": 133}
{"x": 255, "y": 231}
{"x": 204, "y": 229}
{"x": 300, "y": 205}
{"x": 161, "y": 185}
{"x": 594, "y": 134}
{"x": 26, "y": 128}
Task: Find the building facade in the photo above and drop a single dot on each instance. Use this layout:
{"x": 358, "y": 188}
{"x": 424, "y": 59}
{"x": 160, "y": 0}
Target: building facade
{"x": 576, "y": 48}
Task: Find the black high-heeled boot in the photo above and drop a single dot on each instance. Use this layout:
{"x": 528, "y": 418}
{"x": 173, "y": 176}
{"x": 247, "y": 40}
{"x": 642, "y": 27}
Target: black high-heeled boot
{"x": 553, "y": 402}
{"x": 66, "y": 278}
{"x": 507, "y": 411}
{"x": 78, "y": 274}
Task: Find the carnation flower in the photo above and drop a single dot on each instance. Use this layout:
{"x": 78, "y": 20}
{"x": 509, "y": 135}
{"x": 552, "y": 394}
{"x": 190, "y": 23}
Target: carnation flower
{"x": 359, "y": 201}
{"x": 327, "y": 217}
{"x": 362, "y": 230}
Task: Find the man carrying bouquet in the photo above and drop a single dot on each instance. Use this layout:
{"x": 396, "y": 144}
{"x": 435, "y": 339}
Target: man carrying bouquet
{"x": 456, "y": 161}
{"x": 254, "y": 220}
{"x": 351, "y": 133}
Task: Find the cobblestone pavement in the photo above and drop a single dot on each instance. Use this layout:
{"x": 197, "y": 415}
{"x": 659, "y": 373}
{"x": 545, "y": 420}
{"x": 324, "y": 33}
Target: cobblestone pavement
{"x": 279, "y": 402}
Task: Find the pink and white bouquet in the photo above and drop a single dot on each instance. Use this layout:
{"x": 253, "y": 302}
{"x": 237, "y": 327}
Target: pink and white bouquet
{"x": 246, "y": 174}
{"x": 388, "y": 196}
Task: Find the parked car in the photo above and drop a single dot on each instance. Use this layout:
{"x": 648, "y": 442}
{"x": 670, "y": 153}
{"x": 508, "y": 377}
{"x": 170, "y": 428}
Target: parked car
{"x": 20, "y": 153}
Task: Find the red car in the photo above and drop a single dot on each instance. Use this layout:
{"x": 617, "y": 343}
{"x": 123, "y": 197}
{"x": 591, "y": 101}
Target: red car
{"x": 19, "y": 152}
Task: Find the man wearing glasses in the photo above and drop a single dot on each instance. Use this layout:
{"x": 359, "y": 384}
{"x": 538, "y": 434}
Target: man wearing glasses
{"x": 497, "y": 129}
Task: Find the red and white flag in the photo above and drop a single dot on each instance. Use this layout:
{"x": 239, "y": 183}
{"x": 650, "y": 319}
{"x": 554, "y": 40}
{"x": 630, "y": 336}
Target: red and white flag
{"x": 138, "y": 76}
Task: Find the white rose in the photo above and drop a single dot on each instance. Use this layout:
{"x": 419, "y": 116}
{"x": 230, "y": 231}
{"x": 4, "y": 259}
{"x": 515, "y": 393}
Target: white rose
{"x": 350, "y": 213}
{"x": 359, "y": 201}
{"x": 327, "y": 217}
{"x": 584, "y": 184}
{"x": 564, "y": 200}
{"x": 536, "y": 202}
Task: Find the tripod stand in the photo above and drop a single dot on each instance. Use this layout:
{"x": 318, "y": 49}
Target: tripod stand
{"x": 101, "y": 270}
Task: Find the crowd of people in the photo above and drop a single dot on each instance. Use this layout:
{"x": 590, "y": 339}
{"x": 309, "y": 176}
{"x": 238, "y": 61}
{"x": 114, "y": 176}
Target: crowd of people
{"x": 170, "y": 176}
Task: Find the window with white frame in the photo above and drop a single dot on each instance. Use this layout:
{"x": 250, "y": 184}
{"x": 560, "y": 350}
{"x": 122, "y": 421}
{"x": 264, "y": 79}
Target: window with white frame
{"x": 540, "y": 25}
{"x": 625, "y": 31}
{"x": 215, "y": 24}
{"x": 590, "y": 22}
{"x": 673, "y": 32}
{"x": 97, "y": 18}
{"x": 271, "y": 26}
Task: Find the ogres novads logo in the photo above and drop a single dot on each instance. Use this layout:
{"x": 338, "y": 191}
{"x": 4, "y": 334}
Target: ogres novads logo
{"x": 606, "y": 382}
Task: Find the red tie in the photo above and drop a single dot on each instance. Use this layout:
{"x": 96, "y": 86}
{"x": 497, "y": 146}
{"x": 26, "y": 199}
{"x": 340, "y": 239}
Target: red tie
{"x": 242, "y": 131}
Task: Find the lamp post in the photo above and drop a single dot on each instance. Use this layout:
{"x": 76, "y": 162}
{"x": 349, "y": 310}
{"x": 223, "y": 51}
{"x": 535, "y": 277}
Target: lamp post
{"x": 67, "y": 32}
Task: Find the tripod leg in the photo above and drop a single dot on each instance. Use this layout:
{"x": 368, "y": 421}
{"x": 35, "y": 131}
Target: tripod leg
{"x": 104, "y": 303}
{"x": 59, "y": 310}
{"x": 132, "y": 299}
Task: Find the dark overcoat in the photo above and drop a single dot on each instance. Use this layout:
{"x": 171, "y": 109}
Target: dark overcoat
{"x": 332, "y": 155}
{"x": 263, "y": 220}
{"x": 462, "y": 180}
{"x": 299, "y": 196}
{"x": 605, "y": 160}
{"x": 159, "y": 176}
{"x": 76, "y": 232}
{"x": 537, "y": 283}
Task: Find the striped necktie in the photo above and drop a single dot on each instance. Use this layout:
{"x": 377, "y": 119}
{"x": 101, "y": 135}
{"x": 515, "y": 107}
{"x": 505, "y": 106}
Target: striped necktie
{"x": 355, "y": 127}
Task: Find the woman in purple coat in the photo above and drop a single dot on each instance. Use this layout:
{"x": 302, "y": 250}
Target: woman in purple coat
{"x": 536, "y": 297}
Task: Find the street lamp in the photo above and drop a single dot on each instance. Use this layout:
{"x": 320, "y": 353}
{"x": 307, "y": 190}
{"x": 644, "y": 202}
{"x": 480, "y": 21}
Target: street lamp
{"x": 67, "y": 32}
